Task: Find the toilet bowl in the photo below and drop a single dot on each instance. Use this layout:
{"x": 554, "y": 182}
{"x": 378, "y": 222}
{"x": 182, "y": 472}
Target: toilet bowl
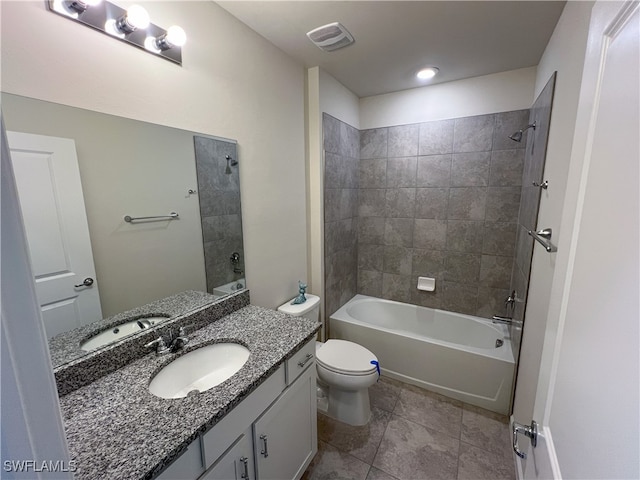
{"x": 345, "y": 371}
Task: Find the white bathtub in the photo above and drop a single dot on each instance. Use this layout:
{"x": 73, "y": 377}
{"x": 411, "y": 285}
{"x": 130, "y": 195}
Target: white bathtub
{"x": 445, "y": 352}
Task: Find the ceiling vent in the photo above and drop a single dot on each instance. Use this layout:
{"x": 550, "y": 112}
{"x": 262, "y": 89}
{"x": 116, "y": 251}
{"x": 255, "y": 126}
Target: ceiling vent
{"x": 330, "y": 37}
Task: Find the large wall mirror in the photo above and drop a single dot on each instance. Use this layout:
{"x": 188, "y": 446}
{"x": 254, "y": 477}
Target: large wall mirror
{"x": 138, "y": 169}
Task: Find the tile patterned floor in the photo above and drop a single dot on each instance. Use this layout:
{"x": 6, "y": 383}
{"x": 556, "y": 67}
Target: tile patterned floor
{"x": 414, "y": 434}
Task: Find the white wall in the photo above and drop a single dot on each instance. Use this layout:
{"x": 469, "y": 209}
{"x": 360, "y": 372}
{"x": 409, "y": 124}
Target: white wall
{"x": 564, "y": 54}
{"x": 499, "y": 92}
{"x": 233, "y": 83}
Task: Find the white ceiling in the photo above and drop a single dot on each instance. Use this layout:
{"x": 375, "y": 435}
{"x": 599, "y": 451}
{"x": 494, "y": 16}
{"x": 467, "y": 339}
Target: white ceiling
{"x": 393, "y": 39}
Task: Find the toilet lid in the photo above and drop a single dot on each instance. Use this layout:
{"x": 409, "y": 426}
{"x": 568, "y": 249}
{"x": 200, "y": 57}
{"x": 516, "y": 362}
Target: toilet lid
{"x": 346, "y": 357}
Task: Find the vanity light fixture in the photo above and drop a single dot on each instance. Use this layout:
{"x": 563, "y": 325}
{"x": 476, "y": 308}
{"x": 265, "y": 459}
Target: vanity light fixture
{"x": 427, "y": 73}
{"x": 174, "y": 37}
{"x": 131, "y": 25}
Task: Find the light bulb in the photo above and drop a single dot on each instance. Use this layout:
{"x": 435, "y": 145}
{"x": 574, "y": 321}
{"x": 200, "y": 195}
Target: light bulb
{"x": 427, "y": 73}
{"x": 137, "y": 17}
{"x": 176, "y": 36}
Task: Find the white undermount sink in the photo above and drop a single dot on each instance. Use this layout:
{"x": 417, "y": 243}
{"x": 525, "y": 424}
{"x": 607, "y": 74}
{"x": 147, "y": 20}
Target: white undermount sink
{"x": 199, "y": 370}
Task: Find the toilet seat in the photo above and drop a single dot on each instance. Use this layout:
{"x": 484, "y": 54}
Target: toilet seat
{"x": 346, "y": 358}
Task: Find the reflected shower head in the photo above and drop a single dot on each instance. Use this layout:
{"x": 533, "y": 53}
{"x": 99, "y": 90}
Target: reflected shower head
{"x": 230, "y": 163}
{"x": 517, "y": 136}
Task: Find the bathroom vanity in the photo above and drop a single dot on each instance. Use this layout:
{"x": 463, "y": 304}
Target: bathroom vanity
{"x": 260, "y": 423}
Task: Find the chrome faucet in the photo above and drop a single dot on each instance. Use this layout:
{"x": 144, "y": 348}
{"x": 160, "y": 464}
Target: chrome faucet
{"x": 500, "y": 319}
{"x": 179, "y": 342}
{"x": 175, "y": 344}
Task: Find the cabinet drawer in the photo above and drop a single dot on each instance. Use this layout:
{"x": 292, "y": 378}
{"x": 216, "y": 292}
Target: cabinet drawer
{"x": 302, "y": 359}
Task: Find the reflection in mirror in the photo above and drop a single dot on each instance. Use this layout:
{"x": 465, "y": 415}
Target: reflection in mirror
{"x": 220, "y": 212}
{"x": 129, "y": 167}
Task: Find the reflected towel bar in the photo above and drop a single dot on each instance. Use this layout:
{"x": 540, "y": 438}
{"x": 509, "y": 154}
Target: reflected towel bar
{"x": 543, "y": 237}
{"x": 171, "y": 216}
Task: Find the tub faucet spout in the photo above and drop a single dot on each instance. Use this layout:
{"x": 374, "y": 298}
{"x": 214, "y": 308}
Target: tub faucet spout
{"x": 503, "y": 320}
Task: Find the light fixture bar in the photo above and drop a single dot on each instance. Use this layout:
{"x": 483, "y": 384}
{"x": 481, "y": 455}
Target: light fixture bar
{"x": 105, "y": 15}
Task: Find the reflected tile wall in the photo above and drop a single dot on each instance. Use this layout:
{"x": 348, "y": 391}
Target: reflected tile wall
{"x": 440, "y": 199}
{"x": 220, "y": 209}
{"x": 342, "y": 172}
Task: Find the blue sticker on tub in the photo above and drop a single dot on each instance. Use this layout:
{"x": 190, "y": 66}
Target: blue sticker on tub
{"x": 375, "y": 362}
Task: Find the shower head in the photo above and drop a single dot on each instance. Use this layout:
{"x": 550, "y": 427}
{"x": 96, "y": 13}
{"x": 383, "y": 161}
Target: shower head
{"x": 517, "y": 136}
{"x": 230, "y": 163}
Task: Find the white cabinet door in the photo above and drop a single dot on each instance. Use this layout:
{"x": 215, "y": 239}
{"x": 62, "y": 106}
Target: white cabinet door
{"x": 285, "y": 436}
{"x": 237, "y": 463}
{"x": 52, "y": 204}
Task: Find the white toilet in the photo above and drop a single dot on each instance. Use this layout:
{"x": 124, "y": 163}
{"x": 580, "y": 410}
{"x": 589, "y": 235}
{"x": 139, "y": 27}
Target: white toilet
{"x": 345, "y": 370}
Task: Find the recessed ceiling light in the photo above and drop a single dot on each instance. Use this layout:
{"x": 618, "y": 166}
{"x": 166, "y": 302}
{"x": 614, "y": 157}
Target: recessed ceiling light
{"x": 427, "y": 73}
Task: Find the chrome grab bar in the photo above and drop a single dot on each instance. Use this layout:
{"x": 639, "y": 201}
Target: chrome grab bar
{"x": 543, "y": 237}
{"x": 171, "y": 216}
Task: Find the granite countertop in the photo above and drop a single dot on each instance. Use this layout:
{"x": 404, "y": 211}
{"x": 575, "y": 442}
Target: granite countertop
{"x": 117, "y": 429}
{"x": 65, "y": 347}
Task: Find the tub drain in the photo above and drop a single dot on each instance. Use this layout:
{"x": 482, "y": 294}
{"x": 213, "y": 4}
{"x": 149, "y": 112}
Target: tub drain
{"x": 499, "y": 342}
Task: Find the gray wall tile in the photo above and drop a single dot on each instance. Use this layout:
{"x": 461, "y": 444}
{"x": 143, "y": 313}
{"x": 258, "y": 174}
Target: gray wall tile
{"x": 459, "y": 298}
{"x": 398, "y": 231}
{"x": 371, "y": 257}
{"x": 403, "y": 140}
{"x": 495, "y": 271}
{"x": 529, "y": 202}
{"x": 429, "y": 263}
{"x": 430, "y": 234}
{"x": 427, "y": 299}
{"x": 349, "y": 141}
{"x": 401, "y": 172}
{"x": 436, "y": 137}
{"x": 470, "y": 169}
{"x": 432, "y": 203}
{"x": 462, "y": 268}
{"x": 506, "y": 168}
{"x": 370, "y": 283}
{"x": 503, "y": 204}
{"x": 372, "y": 202}
{"x": 373, "y": 173}
{"x": 473, "y": 134}
{"x": 331, "y": 133}
{"x": 524, "y": 250}
{"x": 464, "y": 236}
{"x": 400, "y": 202}
{"x": 371, "y": 230}
{"x": 398, "y": 260}
{"x": 467, "y": 203}
{"x": 507, "y": 123}
{"x": 373, "y": 143}
{"x": 499, "y": 239}
{"x": 434, "y": 171}
{"x": 396, "y": 287}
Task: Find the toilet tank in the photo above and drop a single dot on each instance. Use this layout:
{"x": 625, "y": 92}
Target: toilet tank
{"x": 309, "y": 309}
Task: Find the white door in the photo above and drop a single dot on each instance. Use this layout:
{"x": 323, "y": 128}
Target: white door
{"x": 52, "y": 204}
{"x": 587, "y": 401}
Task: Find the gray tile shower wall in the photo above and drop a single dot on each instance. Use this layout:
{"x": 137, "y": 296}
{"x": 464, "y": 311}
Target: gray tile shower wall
{"x": 534, "y": 160}
{"x": 220, "y": 209}
{"x": 438, "y": 199}
{"x": 341, "y": 177}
